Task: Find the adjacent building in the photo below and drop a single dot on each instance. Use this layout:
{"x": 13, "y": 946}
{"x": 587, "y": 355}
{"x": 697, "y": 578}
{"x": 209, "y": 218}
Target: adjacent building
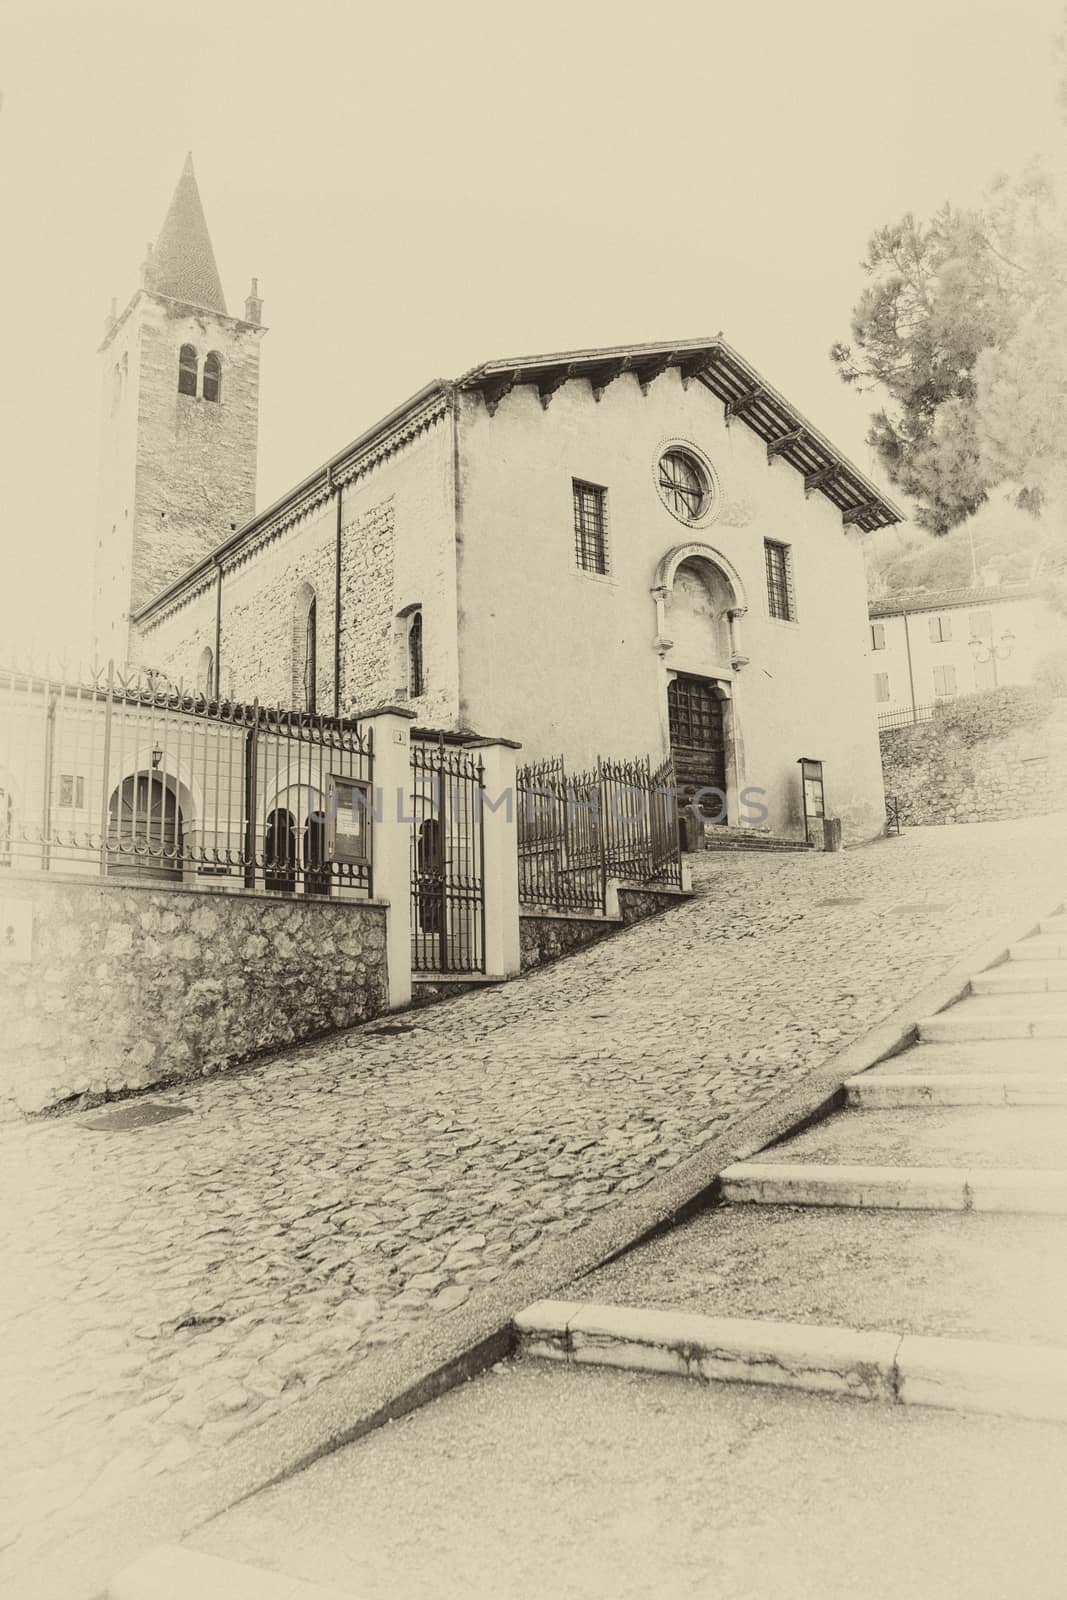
{"x": 928, "y": 646}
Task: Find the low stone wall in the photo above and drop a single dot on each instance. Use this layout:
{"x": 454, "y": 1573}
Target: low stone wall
{"x": 938, "y": 778}
{"x": 107, "y": 987}
{"x": 545, "y": 936}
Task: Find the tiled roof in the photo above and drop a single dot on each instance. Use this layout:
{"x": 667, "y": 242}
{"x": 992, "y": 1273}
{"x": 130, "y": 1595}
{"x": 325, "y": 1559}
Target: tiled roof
{"x": 745, "y": 395}
{"x": 895, "y": 605}
{"x": 744, "y": 392}
{"x": 182, "y": 264}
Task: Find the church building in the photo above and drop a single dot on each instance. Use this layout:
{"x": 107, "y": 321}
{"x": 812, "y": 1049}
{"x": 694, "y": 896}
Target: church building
{"x": 613, "y": 552}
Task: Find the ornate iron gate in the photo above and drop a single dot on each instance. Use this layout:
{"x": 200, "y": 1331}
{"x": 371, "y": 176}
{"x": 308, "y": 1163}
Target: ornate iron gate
{"x": 447, "y": 859}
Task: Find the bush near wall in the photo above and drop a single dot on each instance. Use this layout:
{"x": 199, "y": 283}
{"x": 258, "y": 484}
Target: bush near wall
{"x": 1050, "y": 673}
{"x": 982, "y": 758}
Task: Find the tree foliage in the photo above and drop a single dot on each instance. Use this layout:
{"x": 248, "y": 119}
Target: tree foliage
{"x": 948, "y": 327}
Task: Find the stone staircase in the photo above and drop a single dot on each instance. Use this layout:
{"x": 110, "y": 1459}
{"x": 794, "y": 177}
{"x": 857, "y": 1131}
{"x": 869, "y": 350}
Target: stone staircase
{"x": 910, "y": 1248}
{"x": 725, "y": 838}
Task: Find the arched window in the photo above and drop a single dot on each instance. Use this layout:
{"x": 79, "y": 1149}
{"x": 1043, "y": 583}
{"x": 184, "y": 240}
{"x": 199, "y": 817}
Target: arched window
{"x": 213, "y": 376}
{"x": 279, "y": 852}
{"x": 316, "y": 867}
{"x": 145, "y": 836}
{"x": 205, "y": 675}
{"x": 310, "y": 652}
{"x": 429, "y": 879}
{"x": 305, "y": 648}
{"x": 187, "y": 370}
{"x": 416, "y": 676}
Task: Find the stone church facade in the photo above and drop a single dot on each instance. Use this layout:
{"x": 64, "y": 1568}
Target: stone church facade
{"x": 598, "y": 553}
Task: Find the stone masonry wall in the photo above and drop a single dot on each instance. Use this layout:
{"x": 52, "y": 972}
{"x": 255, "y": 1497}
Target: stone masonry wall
{"x": 943, "y": 780}
{"x": 397, "y": 551}
{"x": 545, "y": 937}
{"x": 196, "y": 458}
{"x": 128, "y": 986}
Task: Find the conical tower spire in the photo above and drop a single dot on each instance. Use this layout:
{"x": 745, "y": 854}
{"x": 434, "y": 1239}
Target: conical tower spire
{"x": 182, "y": 265}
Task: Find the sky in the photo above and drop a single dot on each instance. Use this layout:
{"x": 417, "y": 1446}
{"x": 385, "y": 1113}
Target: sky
{"x": 422, "y": 187}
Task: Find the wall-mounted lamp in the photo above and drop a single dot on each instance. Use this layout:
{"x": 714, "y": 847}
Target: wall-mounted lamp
{"x": 157, "y": 757}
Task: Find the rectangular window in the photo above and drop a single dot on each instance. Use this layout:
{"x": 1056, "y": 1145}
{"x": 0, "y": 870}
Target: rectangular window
{"x": 944, "y": 683}
{"x": 779, "y": 563}
{"x": 940, "y": 630}
{"x": 877, "y": 635}
{"x": 590, "y": 527}
{"x": 981, "y": 625}
{"x": 71, "y": 791}
{"x": 881, "y": 686}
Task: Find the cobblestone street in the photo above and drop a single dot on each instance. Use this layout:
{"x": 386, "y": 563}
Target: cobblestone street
{"x": 168, "y": 1288}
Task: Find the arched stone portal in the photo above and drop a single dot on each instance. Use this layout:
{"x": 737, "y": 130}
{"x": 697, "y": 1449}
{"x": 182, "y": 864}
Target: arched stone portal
{"x": 698, "y": 578}
{"x": 700, "y": 601}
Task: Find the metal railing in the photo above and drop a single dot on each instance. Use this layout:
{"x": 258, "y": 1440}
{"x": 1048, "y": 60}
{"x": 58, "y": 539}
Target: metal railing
{"x": 122, "y": 773}
{"x": 907, "y": 717}
{"x": 576, "y": 831}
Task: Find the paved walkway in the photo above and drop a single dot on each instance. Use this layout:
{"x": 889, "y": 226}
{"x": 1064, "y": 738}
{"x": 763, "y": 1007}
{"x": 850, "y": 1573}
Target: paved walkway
{"x": 174, "y": 1286}
{"x": 540, "y": 1480}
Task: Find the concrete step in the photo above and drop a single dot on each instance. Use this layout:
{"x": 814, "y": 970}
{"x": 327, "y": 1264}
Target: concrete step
{"x": 952, "y": 1273}
{"x": 903, "y": 1090}
{"x": 1002, "y": 1057}
{"x": 944, "y": 1136}
{"x": 1000, "y": 1016}
{"x": 955, "y": 1374}
{"x": 910, "y": 1188}
{"x": 1022, "y": 977}
{"x": 1040, "y": 947}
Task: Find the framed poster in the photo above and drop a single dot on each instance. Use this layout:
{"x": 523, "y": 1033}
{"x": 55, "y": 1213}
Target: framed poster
{"x": 348, "y": 802}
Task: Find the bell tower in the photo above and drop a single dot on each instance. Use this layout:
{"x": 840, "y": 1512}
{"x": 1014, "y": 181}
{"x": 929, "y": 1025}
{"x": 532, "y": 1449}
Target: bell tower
{"x": 179, "y": 422}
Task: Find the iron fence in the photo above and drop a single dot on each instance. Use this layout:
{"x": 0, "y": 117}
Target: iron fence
{"x": 907, "y": 717}
{"x": 447, "y": 858}
{"x": 576, "y": 831}
{"x": 121, "y": 773}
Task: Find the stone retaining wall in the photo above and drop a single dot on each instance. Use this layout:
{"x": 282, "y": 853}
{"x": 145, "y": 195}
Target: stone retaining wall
{"x": 545, "y": 936}
{"x": 128, "y": 986}
{"x": 937, "y": 778}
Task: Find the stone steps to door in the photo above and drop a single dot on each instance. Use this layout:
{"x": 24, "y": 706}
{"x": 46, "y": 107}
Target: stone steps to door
{"x": 726, "y": 838}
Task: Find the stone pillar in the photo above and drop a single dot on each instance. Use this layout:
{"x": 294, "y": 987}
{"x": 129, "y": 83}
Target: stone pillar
{"x": 738, "y": 659}
{"x": 391, "y": 840}
{"x": 500, "y": 839}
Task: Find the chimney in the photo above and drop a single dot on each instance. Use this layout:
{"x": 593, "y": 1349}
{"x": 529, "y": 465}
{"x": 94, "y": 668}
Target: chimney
{"x": 253, "y": 304}
{"x": 990, "y": 577}
{"x": 146, "y": 265}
